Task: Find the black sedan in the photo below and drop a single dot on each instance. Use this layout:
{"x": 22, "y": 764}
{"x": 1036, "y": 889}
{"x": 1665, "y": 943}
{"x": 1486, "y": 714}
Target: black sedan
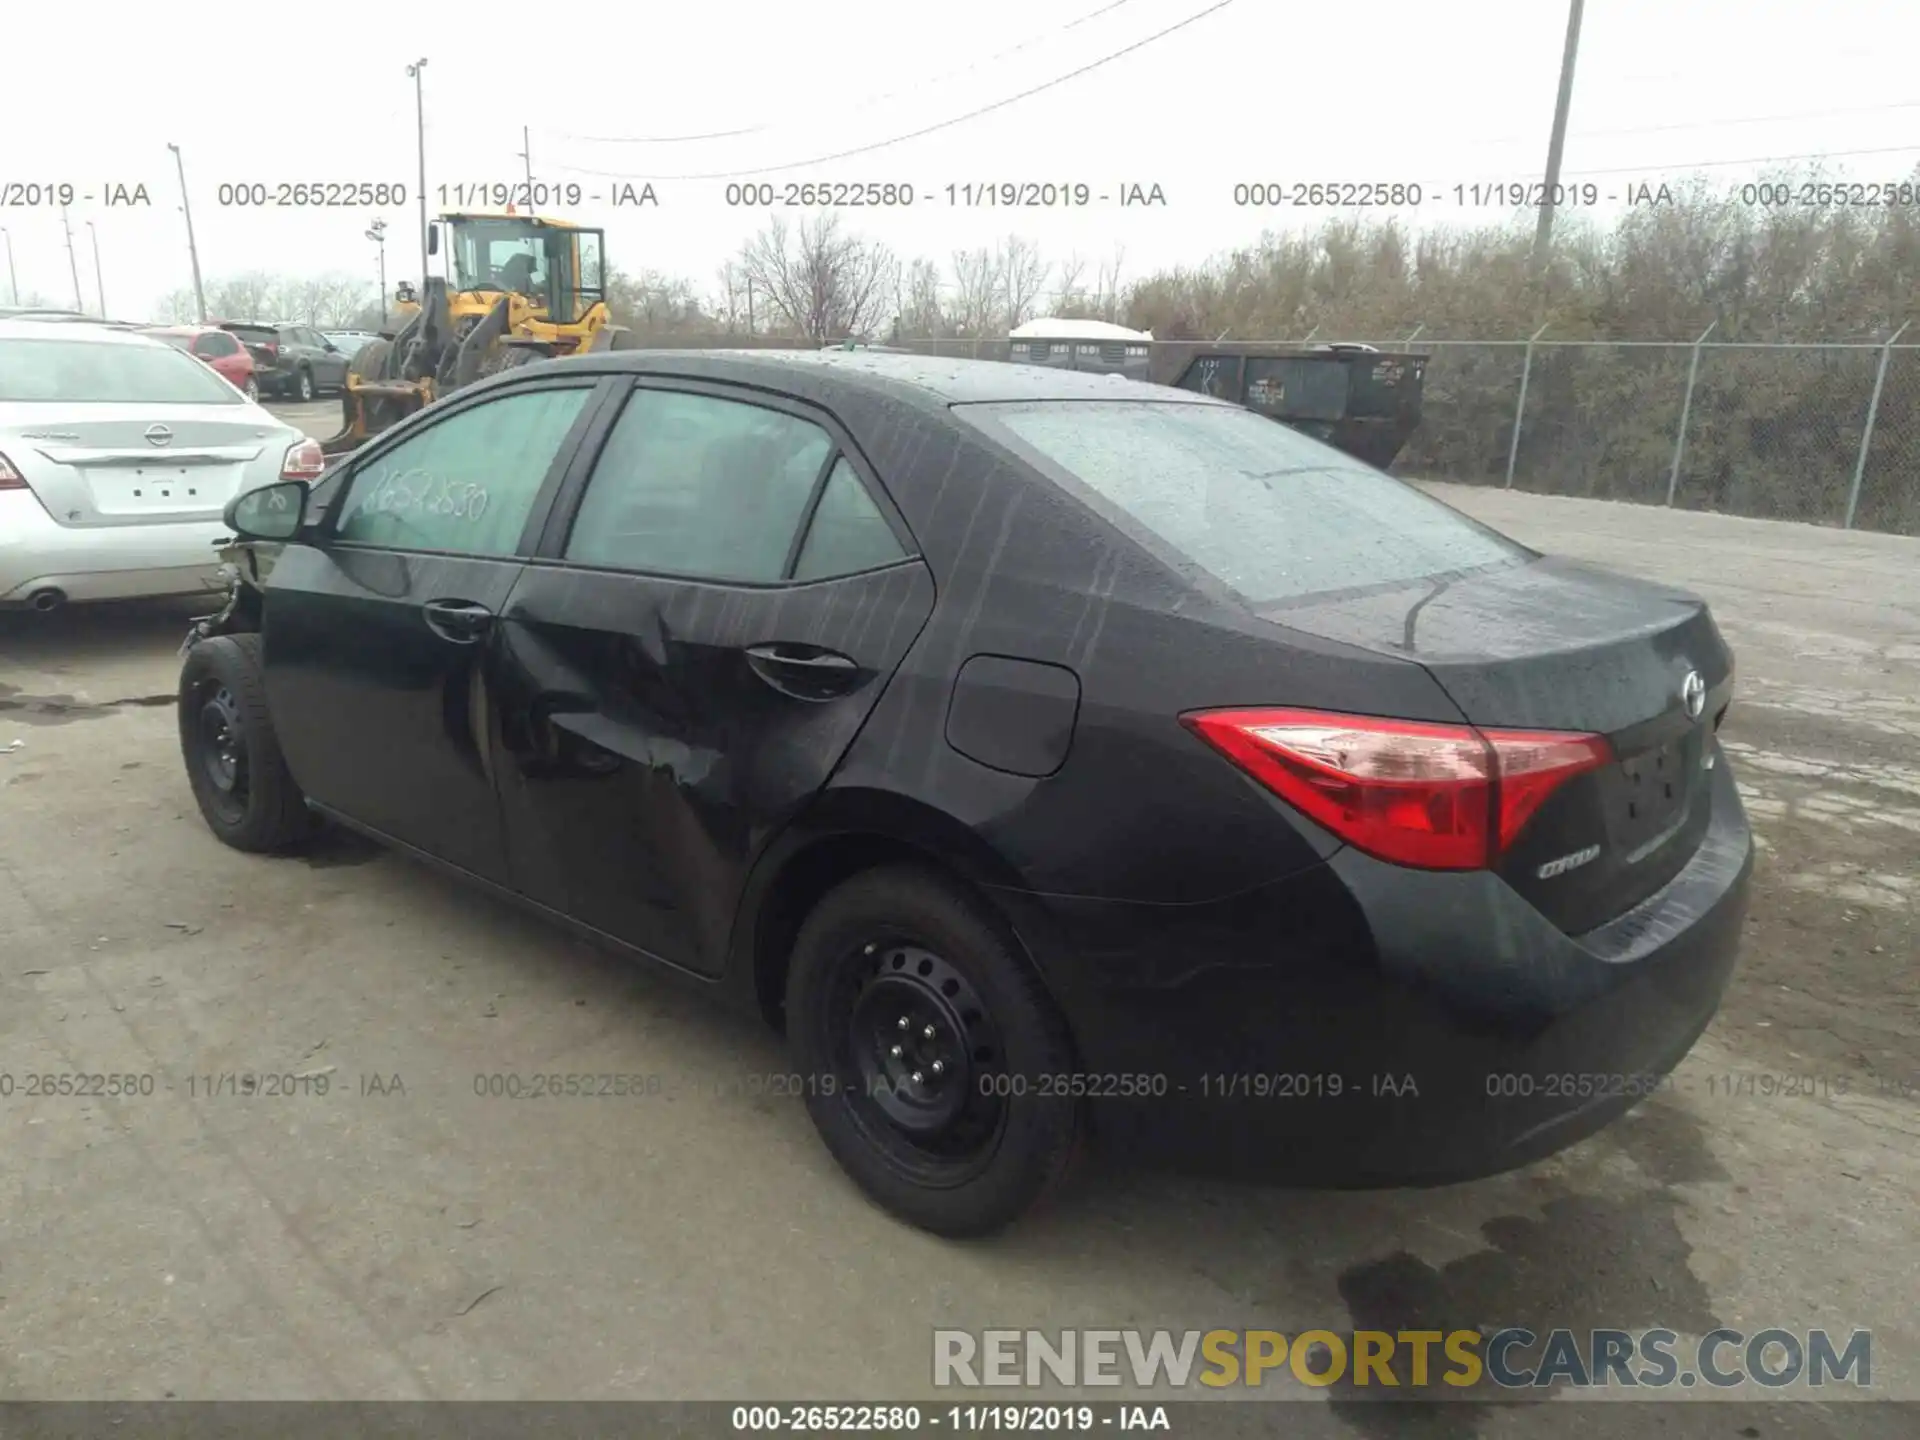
{"x": 1048, "y": 755}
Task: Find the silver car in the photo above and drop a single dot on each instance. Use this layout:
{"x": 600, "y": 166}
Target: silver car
{"x": 117, "y": 456}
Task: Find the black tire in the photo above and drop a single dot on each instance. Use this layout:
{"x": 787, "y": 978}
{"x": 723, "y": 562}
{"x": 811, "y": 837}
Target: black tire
{"x": 240, "y": 780}
{"x": 905, "y": 939}
{"x": 512, "y": 357}
{"x": 303, "y": 387}
{"x": 253, "y": 390}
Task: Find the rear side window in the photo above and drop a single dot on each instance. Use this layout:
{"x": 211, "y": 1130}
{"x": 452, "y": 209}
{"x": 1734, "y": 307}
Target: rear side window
{"x": 699, "y": 486}
{"x": 179, "y": 342}
{"x": 1268, "y": 512}
{"x": 216, "y": 344}
{"x": 848, "y": 533}
{"x": 85, "y": 372}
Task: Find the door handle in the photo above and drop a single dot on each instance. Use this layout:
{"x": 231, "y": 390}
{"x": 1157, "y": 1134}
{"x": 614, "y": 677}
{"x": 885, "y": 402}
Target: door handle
{"x": 461, "y": 621}
{"x": 805, "y": 672}
{"x": 810, "y": 662}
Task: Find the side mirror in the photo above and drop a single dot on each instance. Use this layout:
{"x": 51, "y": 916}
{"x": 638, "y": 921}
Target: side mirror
{"x": 329, "y": 347}
{"x": 272, "y": 512}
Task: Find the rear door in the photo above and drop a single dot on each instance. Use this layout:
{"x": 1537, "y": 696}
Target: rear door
{"x": 721, "y": 597}
{"x": 111, "y": 433}
{"x": 377, "y": 626}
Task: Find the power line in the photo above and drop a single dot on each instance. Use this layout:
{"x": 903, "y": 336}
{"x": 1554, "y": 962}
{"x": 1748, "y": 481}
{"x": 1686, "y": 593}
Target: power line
{"x": 1218, "y": 6}
{"x": 1750, "y": 160}
{"x": 866, "y": 104}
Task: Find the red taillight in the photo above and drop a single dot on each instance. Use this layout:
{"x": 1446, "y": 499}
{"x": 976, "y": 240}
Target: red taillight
{"x": 304, "y": 461}
{"x": 1438, "y": 797}
{"x": 10, "y": 478}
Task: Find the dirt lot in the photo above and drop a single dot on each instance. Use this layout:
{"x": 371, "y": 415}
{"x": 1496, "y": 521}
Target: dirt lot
{"x": 402, "y": 1237}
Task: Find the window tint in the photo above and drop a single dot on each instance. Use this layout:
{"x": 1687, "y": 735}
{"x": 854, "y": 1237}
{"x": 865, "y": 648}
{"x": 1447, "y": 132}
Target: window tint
{"x": 219, "y": 343}
{"x": 108, "y": 372}
{"x": 848, "y": 533}
{"x": 693, "y": 485}
{"x": 467, "y": 484}
{"x": 1262, "y": 508}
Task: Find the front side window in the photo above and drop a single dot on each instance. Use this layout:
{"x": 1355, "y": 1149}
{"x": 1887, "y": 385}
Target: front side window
{"x": 93, "y": 372}
{"x": 1268, "y": 512}
{"x": 466, "y": 485}
{"x": 699, "y": 486}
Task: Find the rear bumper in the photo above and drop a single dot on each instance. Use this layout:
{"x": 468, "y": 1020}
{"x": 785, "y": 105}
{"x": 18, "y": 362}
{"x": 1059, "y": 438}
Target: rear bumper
{"x": 1364, "y": 1025}
{"x": 107, "y": 562}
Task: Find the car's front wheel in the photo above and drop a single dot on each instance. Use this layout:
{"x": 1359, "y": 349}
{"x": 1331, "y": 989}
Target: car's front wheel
{"x": 303, "y": 387}
{"x": 937, "y": 1069}
{"x": 240, "y": 780}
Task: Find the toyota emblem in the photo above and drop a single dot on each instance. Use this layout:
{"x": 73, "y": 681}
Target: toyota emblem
{"x": 159, "y": 435}
{"x": 1693, "y": 694}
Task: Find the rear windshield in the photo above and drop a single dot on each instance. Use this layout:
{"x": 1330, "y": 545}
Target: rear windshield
{"x": 1268, "y": 512}
{"x": 85, "y": 372}
{"x": 254, "y": 334}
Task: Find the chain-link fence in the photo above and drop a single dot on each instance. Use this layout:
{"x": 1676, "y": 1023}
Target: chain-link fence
{"x": 1826, "y": 433}
{"x": 1823, "y": 433}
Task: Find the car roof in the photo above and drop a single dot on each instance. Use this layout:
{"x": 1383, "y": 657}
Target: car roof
{"x": 930, "y": 382}
{"x": 95, "y": 333}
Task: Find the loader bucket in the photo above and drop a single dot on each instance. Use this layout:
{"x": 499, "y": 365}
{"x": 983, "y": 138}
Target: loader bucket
{"x": 370, "y": 406}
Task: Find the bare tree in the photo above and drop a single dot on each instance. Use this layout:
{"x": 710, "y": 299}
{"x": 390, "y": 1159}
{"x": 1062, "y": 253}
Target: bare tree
{"x": 1022, "y": 277}
{"x": 918, "y": 312}
{"x": 975, "y": 309}
{"x": 820, "y": 281}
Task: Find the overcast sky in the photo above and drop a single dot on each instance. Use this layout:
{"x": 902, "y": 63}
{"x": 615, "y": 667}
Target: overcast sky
{"x": 1416, "y": 91}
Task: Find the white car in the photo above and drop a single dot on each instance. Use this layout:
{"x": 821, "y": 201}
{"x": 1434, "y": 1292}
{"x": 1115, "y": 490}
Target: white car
{"x": 118, "y": 454}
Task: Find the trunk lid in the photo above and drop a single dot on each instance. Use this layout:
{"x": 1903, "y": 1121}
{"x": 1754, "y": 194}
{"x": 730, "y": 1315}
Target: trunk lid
{"x": 1552, "y": 644}
{"x": 134, "y": 464}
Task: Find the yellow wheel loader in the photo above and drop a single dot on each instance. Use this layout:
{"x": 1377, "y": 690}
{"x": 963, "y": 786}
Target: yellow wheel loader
{"x": 520, "y": 288}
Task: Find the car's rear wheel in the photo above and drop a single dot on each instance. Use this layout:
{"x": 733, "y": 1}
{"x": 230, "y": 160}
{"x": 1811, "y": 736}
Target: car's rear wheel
{"x": 303, "y": 386}
{"x": 937, "y": 1069}
{"x": 253, "y": 390}
{"x": 240, "y": 780}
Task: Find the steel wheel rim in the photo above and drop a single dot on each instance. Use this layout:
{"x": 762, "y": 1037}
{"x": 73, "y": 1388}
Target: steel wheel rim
{"x": 930, "y": 1102}
{"x": 221, "y": 749}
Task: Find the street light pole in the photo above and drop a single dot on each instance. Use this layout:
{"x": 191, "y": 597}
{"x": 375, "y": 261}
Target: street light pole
{"x": 420, "y": 128}
{"x": 1557, "y": 142}
{"x": 377, "y": 232}
{"x": 193, "y": 250}
{"x": 13, "y": 281}
{"x": 99, "y": 284}
{"x": 73, "y": 261}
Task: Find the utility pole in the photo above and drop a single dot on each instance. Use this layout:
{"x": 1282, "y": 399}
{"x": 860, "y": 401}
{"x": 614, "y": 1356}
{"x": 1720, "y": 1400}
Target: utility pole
{"x": 751, "y": 330}
{"x": 526, "y": 154}
{"x": 99, "y": 284}
{"x": 73, "y": 262}
{"x": 377, "y": 232}
{"x": 13, "y": 281}
{"x": 1557, "y": 143}
{"x": 417, "y": 70}
{"x": 193, "y": 250}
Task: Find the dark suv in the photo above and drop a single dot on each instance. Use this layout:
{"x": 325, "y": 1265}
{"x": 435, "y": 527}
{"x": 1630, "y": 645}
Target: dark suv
{"x": 291, "y": 360}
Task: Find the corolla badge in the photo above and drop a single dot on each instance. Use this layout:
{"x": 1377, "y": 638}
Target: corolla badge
{"x": 1693, "y": 694}
{"x": 1568, "y": 862}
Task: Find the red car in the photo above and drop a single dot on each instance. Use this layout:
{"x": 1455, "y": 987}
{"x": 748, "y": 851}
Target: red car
{"x": 218, "y": 348}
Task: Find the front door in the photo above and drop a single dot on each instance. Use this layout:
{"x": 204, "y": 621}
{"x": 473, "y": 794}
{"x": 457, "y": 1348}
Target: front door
{"x": 720, "y": 599}
{"x": 376, "y": 631}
